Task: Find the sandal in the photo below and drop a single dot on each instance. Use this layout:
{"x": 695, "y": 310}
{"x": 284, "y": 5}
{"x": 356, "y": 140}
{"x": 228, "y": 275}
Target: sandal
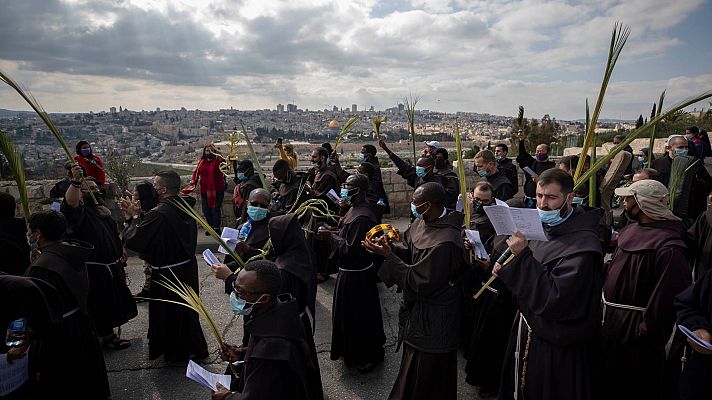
{"x": 116, "y": 343}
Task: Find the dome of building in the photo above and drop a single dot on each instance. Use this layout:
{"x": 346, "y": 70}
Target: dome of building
{"x": 334, "y": 124}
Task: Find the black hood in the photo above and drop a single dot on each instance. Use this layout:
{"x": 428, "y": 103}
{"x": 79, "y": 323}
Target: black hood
{"x": 67, "y": 259}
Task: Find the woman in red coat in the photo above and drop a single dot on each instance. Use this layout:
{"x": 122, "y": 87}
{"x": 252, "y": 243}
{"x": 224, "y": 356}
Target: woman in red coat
{"x": 212, "y": 185}
{"x": 90, "y": 162}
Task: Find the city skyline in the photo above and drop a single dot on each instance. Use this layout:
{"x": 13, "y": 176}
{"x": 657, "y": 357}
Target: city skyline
{"x": 484, "y": 56}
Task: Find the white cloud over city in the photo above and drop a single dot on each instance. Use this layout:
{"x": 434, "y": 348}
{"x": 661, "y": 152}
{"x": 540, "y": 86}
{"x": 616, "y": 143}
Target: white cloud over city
{"x": 482, "y": 56}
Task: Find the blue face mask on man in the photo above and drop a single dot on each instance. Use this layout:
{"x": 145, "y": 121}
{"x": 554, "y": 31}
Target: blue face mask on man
{"x": 482, "y": 173}
{"x": 416, "y": 214}
{"x": 420, "y": 171}
{"x": 34, "y": 245}
{"x": 680, "y": 152}
{"x": 256, "y": 213}
{"x": 241, "y": 176}
{"x": 551, "y": 217}
{"x": 345, "y": 194}
{"x": 362, "y": 157}
{"x": 240, "y": 306}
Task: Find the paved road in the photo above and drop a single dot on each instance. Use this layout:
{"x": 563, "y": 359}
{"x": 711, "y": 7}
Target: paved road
{"x": 133, "y": 376}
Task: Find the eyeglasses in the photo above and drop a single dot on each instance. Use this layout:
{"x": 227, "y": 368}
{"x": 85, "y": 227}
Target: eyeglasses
{"x": 241, "y": 293}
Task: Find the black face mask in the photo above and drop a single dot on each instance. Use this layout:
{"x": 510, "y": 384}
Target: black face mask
{"x": 210, "y": 156}
{"x": 479, "y": 206}
{"x": 629, "y": 213}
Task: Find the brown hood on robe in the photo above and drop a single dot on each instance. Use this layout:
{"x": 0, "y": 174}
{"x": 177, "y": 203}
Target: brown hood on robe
{"x": 425, "y": 235}
{"x": 67, "y": 259}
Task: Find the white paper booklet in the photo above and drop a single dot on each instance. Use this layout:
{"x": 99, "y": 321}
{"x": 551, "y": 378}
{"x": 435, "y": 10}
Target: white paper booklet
{"x": 205, "y": 377}
{"x": 229, "y": 236}
{"x": 210, "y": 258}
{"x": 478, "y": 247}
{"x": 530, "y": 171}
{"x": 695, "y": 338}
{"x": 331, "y": 194}
{"x": 12, "y": 376}
{"x": 506, "y": 220}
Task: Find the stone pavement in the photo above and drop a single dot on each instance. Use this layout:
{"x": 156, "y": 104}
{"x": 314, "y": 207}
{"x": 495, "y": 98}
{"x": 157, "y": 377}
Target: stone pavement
{"x": 133, "y": 376}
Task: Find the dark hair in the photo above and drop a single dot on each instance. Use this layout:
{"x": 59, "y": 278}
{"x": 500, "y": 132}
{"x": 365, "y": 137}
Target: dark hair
{"x": 280, "y": 165}
{"x": 693, "y": 129}
{"x": 368, "y": 168}
{"x": 79, "y": 145}
{"x": 619, "y": 137}
{"x": 268, "y": 279}
{"x": 433, "y": 192}
{"x": 323, "y": 152}
{"x": 652, "y": 174}
{"x": 358, "y": 181}
{"x": 484, "y": 186}
{"x": 147, "y": 195}
{"x": 555, "y": 175}
{"x": 486, "y": 156}
{"x": 503, "y": 146}
{"x": 570, "y": 161}
{"x": 245, "y": 165}
{"x": 7, "y": 205}
{"x": 52, "y": 224}
{"x": 171, "y": 181}
{"x": 441, "y": 150}
{"x": 327, "y": 147}
{"x": 205, "y": 151}
{"x": 370, "y": 149}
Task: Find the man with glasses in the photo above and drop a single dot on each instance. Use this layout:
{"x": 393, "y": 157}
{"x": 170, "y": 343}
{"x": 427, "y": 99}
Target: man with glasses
{"x": 277, "y": 363}
{"x": 166, "y": 238}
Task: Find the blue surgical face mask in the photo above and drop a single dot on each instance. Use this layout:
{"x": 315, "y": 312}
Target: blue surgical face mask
{"x": 256, "y": 213}
{"x": 345, "y": 194}
{"x": 498, "y": 158}
{"x": 239, "y": 306}
{"x": 241, "y": 176}
{"x": 641, "y": 160}
{"x": 482, "y": 173}
{"x": 420, "y": 171}
{"x": 414, "y": 210}
{"x": 33, "y": 245}
{"x": 551, "y": 217}
{"x": 362, "y": 157}
{"x": 680, "y": 152}
{"x": 579, "y": 200}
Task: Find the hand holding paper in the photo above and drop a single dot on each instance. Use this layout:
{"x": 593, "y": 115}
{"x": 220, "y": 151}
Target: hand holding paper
{"x": 230, "y": 236}
{"x": 477, "y": 245}
{"x": 210, "y": 258}
{"x": 205, "y": 377}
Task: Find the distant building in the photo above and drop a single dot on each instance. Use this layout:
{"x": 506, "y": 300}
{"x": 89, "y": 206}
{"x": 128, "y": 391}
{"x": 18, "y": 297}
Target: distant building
{"x": 158, "y": 109}
{"x": 354, "y": 108}
{"x": 112, "y": 110}
{"x": 280, "y": 108}
{"x": 401, "y": 107}
{"x": 291, "y": 108}
{"x": 335, "y": 109}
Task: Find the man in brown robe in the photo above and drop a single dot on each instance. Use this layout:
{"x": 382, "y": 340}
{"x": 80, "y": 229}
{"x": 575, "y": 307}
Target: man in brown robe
{"x": 428, "y": 268}
{"x": 648, "y": 268}
{"x": 325, "y": 180}
{"x": 700, "y": 239}
{"x": 556, "y": 286}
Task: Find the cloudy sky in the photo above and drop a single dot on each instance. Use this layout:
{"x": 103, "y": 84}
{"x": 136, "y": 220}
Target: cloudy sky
{"x": 457, "y": 55}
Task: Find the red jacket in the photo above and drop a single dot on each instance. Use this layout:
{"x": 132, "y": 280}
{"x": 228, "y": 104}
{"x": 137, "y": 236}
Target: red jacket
{"x": 93, "y": 167}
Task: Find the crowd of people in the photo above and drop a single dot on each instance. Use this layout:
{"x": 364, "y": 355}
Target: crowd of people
{"x": 590, "y": 313}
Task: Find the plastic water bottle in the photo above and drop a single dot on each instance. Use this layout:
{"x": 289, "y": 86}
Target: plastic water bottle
{"x": 14, "y": 331}
{"x": 245, "y": 230}
{"x": 381, "y": 202}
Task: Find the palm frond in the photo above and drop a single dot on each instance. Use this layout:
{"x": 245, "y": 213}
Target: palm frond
{"x": 520, "y": 118}
{"x": 37, "y": 107}
{"x": 678, "y": 169}
{"x": 654, "y": 114}
{"x": 618, "y": 39}
{"x": 410, "y": 103}
{"x": 345, "y": 129}
{"x": 639, "y": 132}
{"x": 14, "y": 160}
{"x": 592, "y": 192}
{"x": 376, "y": 123}
{"x": 253, "y": 156}
{"x": 462, "y": 176}
{"x": 183, "y": 206}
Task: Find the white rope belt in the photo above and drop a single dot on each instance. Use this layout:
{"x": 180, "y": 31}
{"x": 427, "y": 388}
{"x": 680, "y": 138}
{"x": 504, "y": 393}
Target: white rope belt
{"x": 490, "y": 288}
{"x": 173, "y": 265}
{"x": 517, "y": 373}
{"x": 108, "y": 266}
{"x": 355, "y": 270}
{"x": 617, "y": 305}
{"x": 70, "y": 312}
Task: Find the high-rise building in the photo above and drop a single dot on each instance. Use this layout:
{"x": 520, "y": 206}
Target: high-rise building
{"x": 112, "y": 110}
{"x": 354, "y": 108}
{"x": 280, "y": 108}
{"x": 291, "y": 107}
{"x": 401, "y": 107}
{"x": 334, "y": 109}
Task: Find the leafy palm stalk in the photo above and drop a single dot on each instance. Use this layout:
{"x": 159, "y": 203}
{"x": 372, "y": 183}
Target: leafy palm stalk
{"x": 461, "y": 176}
{"x": 645, "y": 129}
{"x": 37, "y": 107}
{"x": 592, "y": 181}
{"x": 345, "y": 129}
{"x": 376, "y": 123}
{"x": 618, "y": 39}
{"x": 654, "y": 114}
{"x": 678, "y": 169}
{"x": 14, "y": 160}
{"x": 520, "y": 118}
{"x": 410, "y": 103}
{"x": 183, "y": 206}
{"x": 253, "y": 156}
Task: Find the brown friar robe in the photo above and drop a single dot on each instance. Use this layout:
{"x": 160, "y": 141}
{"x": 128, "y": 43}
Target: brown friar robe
{"x": 428, "y": 268}
{"x": 700, "y": 240}
{"x": 557, "y": 288}
{"x": 647, "y": 270}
